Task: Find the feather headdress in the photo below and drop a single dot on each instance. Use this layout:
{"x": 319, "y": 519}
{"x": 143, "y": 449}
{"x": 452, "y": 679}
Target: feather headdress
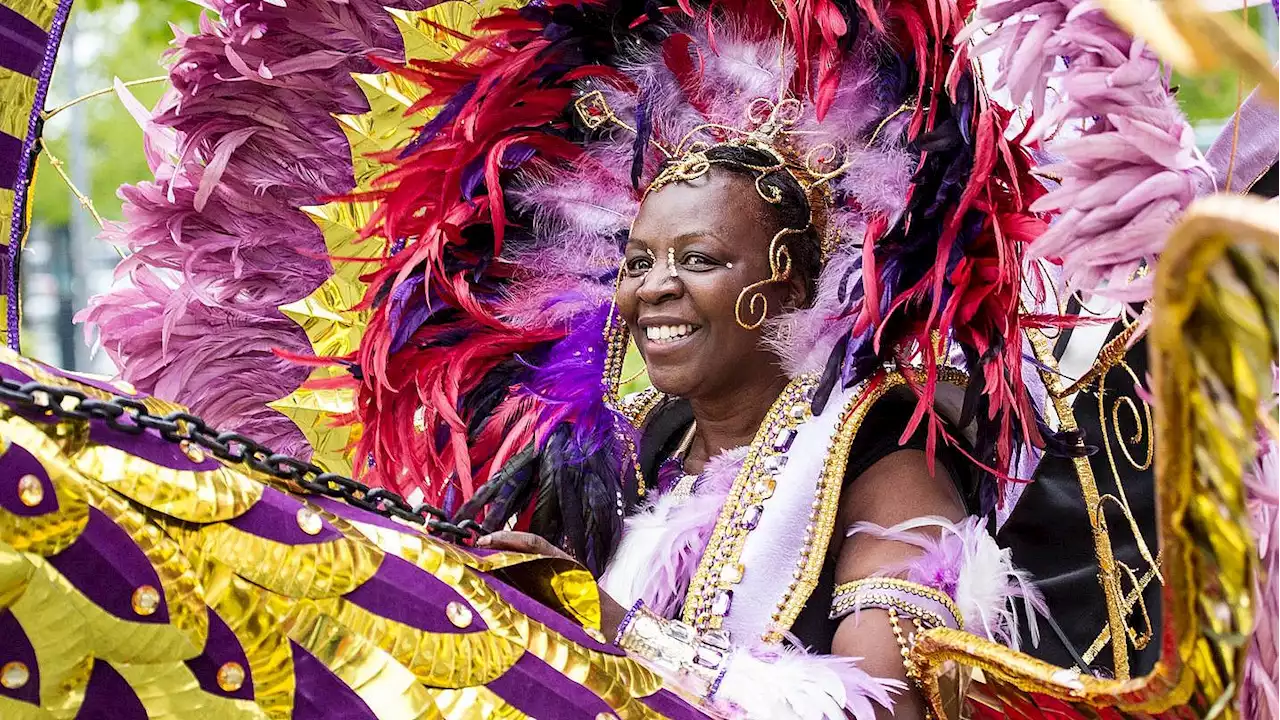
{"x": 487, "y": 325}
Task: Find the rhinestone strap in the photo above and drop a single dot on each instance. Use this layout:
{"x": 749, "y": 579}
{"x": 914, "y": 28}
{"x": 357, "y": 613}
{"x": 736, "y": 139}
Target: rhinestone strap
{"x": 626, "y": 621}
{"x": 676, "y": 650}
{"x": 930, "y": 605}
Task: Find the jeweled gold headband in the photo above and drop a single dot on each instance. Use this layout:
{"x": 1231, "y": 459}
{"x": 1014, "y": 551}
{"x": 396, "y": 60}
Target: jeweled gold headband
{"x": 770, "y": 131}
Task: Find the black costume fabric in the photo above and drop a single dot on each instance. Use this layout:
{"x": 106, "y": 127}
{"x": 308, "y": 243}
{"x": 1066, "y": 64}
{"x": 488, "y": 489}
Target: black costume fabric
{"x": 1050, "y": 535}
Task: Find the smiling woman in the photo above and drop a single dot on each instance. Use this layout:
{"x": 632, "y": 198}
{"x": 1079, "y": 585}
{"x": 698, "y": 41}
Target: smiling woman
{"x": 812, "y": 223}
{"x": 717, "y": 249}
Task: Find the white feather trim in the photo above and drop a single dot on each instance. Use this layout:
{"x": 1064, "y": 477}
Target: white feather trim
{"x": 787, "y": 684}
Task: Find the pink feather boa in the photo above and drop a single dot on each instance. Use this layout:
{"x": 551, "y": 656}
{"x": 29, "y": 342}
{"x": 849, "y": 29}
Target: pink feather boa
{"x": 668, "y": 537}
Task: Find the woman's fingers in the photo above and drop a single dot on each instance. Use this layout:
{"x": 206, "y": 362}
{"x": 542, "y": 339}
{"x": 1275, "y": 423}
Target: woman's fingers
{"x": 519, "y": 542}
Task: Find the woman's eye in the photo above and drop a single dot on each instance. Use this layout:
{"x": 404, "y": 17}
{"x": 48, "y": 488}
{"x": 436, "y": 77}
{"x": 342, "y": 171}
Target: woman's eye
{"x": 638, "y": 266}
{"x": 698, "y": 262}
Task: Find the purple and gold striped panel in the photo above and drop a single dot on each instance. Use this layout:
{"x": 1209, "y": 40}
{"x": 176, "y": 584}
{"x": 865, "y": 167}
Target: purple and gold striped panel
{"x": 30, "y": 31}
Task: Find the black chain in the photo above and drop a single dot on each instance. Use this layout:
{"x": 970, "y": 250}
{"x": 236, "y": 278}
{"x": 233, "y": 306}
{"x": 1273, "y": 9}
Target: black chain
{"x": 132, "y": 417}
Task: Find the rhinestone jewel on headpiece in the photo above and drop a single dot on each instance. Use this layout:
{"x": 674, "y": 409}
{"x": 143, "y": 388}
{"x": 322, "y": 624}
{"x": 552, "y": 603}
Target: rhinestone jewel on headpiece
{"x": 770, "y": 130}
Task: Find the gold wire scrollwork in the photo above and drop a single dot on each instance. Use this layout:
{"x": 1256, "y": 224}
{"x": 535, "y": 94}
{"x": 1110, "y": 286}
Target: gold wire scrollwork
{"x": 1212, "y": 353}
{"x": 779, "y": 271}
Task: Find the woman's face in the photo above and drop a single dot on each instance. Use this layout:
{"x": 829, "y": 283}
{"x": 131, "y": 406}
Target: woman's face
{"x": 718, "y": 230}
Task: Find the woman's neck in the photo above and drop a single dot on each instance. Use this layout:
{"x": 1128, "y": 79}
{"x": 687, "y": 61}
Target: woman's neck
{"x": 732, "y": 420}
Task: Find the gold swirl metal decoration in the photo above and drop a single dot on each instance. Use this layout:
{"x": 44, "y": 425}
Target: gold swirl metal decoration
{"x": 757, "y": 303}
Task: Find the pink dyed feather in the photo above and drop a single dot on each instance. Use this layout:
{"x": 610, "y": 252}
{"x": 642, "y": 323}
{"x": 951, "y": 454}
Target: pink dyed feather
{"x": 1260, "y": 686}
{"x": 964, "y": 561}
{"x": 1134, "y": 168}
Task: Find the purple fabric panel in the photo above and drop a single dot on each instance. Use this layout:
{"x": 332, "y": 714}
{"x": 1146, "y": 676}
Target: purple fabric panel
{"x": 9, "y": 372}
{"x": 539, "y": 691}
{"x": 93, "y": 382}
{"x": 109, "y": 697}
{"x": 16, "y": 647}
{"x": 1255, "y": 148}
{"x": 320, "y": 694}
{"x": 14, "y": 464}
{"x": 106, "y": 565}
{"x": 21, "y": 43}
{"x": 402, "y": 592}
{"x": 150, "y": 446}
{"x": 549, "y": 617}
{"x": 10, "y": 154}
{"x": 220, "y": 648}
{"x": 275, "y": 517}
{"x": 668, "y": 704}
{"x": 20, "y": 181}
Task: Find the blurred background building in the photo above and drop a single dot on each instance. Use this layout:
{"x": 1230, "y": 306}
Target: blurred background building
{"x": 100, "y": 147}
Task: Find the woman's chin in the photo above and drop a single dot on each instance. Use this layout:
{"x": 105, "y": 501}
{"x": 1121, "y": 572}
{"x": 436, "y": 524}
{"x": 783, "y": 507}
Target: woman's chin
{"x": 673, "y": 380}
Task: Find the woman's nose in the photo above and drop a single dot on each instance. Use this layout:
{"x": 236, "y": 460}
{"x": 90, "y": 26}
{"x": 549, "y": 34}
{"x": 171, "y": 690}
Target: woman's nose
{"x": 659, "y": 285}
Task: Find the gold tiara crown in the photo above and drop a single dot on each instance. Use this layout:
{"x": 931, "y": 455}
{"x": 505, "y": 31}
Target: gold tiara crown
{"x": 770, "y": 129}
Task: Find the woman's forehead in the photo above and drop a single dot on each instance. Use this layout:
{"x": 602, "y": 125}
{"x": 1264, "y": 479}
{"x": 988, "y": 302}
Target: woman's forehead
{"x": 715, "y": 204}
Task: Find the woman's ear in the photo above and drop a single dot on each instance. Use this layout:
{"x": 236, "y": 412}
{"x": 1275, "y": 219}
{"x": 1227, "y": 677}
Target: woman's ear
{"x": 796, "y": 289}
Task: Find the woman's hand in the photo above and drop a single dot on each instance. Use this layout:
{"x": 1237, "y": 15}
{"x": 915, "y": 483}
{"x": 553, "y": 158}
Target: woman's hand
{"x": 521, "y": 542}
{"x": 611, "y": 613}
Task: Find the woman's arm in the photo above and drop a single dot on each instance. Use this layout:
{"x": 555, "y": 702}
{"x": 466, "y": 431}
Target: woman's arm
{"x": 897, "y": 488}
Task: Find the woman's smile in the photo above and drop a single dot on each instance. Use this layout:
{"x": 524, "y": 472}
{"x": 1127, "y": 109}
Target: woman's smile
{"x": 663, "y": 336}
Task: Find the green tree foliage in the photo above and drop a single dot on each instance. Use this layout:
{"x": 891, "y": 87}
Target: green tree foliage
{"x": 111, "y": 38}
{"x": 1211, "y": 98}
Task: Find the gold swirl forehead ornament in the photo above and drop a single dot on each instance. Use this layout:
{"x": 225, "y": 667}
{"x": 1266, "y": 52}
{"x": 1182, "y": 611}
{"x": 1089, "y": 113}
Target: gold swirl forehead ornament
{"x": 770, "y": 130}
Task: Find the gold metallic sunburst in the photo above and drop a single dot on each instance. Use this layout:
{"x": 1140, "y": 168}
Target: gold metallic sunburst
{"x": 328, "y": 316}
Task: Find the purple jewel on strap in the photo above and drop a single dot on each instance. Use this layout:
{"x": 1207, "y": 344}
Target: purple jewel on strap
{"x": 751, "y": 518}
{"x": 722, "y": 603}
{"x": 782, "y": 441}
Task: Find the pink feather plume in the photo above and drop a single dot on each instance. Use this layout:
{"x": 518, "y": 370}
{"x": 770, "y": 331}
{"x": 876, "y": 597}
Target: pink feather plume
{"x": 244, "y": 137}
{"x": 1133, "y": 168}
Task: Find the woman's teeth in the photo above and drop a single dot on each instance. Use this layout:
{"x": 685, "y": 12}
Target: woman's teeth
{"x": 667, "y": 333}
